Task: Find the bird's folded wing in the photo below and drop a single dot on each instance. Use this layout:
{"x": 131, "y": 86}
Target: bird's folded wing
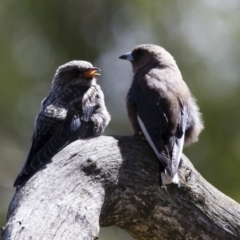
{"x": 151, "y": 119}
{"x": 153, "y": 123}
{"x": 69, "y": 130}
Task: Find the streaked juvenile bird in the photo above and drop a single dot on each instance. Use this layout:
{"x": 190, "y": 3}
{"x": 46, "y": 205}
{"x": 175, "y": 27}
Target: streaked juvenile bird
{"x": 160, "y": 106}
{"x": 74, "y": 109}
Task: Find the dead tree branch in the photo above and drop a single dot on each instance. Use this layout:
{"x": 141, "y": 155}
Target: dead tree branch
{"x": 109, "y": 181}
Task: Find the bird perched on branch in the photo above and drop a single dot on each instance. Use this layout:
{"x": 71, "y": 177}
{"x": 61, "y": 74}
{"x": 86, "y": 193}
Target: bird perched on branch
{"x": 74, "y": 109}
{"x": 160, "y": 106}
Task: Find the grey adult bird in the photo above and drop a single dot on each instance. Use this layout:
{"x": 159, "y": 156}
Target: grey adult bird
{"x": 74, "y": 109}
{"x": 160, "y": 106}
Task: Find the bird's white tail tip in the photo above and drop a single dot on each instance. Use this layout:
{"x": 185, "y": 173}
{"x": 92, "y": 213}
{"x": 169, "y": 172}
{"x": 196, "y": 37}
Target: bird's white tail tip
{"x": 166, "y": 179}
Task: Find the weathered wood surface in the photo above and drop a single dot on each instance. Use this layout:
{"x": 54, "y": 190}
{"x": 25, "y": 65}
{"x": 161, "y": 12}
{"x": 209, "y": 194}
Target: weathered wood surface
{"x": 109, "y": 181}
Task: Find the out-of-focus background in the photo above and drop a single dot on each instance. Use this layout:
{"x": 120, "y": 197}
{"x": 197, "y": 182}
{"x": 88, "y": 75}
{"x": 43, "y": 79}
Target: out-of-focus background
{"x": 203, "y": 36}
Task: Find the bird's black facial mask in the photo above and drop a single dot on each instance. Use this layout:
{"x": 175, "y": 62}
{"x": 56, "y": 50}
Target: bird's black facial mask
{"x": 65, "y": 76}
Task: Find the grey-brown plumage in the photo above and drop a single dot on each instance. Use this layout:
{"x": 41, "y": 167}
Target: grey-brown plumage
{"x": 74, "y": 108}
{"x": 160, "y": 106}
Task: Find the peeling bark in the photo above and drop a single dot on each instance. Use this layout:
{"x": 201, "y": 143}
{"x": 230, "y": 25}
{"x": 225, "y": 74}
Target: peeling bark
{"x": 108, "y": 181}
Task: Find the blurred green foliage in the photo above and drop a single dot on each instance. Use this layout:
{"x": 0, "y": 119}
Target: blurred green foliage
{"x": 203, "y": 36}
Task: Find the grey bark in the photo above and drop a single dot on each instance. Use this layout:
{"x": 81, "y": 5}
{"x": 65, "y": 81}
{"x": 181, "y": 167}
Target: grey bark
{"x": 108, "y": 181}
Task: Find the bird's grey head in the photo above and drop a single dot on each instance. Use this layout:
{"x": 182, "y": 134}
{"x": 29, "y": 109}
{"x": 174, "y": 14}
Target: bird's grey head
{"x": 148, "y": 56}
{"x": 76, "y": 73}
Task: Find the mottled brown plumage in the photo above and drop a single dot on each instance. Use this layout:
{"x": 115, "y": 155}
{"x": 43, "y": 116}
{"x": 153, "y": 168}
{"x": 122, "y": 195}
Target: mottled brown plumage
{"x": 160, "y": 105}
{"x": 74, "y": 108}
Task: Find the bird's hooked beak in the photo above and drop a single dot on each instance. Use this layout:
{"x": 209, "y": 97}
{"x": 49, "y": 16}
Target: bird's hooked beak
{"x": 127, "y": 56}
{"x": 91, "y": 72}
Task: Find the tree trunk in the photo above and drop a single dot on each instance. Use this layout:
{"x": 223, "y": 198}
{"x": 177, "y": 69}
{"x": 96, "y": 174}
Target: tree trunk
{"x": 108, "y": 181}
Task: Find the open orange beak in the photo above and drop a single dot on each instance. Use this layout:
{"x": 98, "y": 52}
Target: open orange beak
{"x": 92, "y": 72}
